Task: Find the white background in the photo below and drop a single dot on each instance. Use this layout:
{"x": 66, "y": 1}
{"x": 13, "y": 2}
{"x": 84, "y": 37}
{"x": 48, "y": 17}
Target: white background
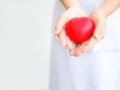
{"x": 25, "y": 44}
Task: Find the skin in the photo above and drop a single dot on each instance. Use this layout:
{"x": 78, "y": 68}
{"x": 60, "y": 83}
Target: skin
{"x": 99, "y": 16}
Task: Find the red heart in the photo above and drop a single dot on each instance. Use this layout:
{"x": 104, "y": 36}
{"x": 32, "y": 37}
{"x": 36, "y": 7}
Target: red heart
{"x": 80, "y": 29}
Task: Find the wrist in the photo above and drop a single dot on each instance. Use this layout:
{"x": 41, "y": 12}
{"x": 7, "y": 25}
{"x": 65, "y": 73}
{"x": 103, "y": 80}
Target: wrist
{"x": 75, "y": 6}
{"x": 70, "y": 3}
{"x": 97, "y": 15}
{"x": 99, "y": 12}
{"x": 108, "y": 7}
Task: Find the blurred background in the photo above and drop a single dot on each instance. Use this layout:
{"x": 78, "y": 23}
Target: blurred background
{"x": 25, "y": 39}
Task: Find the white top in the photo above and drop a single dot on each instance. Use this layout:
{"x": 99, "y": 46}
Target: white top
{"x": 112, "y": 35}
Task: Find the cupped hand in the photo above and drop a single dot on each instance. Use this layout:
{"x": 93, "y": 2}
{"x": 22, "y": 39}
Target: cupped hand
{"x": 100, "y": 23}
{"x": 71, "y": 12}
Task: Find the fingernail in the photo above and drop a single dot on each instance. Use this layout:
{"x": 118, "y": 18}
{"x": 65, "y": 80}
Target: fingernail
{"x": 96, "y": 35}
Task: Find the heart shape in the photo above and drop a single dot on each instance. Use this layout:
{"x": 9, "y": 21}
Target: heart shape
{"x": 80, "y": 29}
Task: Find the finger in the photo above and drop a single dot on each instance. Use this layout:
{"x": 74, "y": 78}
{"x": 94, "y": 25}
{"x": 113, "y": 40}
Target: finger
{"x": 99, "y": 29}
{"x": 62, "y": 37}
{"x": 71, "y": 46}
{"x": 72, "y": 50}
{"x": 60, "y": 25}
{"x": 87, "y": 45}
{"x": 97, "y": 35}
{"x": 91, "y": 43}
{"x": 84, "y": 46}
{"x": 79, "y": 50}
{"x": 69, "y": 43}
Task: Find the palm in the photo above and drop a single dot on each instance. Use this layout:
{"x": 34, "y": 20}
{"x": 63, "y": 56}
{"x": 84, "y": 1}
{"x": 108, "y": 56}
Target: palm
{"x": 60, "y": 28}
{"x": 100, "y": 22}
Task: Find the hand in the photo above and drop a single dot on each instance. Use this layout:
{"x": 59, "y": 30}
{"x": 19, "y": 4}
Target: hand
{"x": 60, "y": 27}
{"x": 100, "y": 22}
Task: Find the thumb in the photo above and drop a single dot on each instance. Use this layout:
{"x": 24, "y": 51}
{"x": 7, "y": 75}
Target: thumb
{"x": 99, "y": 22}
{"x": 99, "y": 29}
{"x": 60, "y": 25}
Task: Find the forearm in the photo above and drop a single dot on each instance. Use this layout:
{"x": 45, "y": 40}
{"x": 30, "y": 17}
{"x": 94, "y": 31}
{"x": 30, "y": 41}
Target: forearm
{"x": 70, "y": 3}
{"x": 108, "y": 7}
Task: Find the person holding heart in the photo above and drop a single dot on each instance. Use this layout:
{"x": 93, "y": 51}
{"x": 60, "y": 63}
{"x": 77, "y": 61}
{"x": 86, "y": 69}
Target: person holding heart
{"x": 93, "y": 64}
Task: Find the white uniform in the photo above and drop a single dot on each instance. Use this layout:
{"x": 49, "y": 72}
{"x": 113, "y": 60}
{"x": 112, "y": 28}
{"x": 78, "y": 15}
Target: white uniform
{"x": 99, "y": 69}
